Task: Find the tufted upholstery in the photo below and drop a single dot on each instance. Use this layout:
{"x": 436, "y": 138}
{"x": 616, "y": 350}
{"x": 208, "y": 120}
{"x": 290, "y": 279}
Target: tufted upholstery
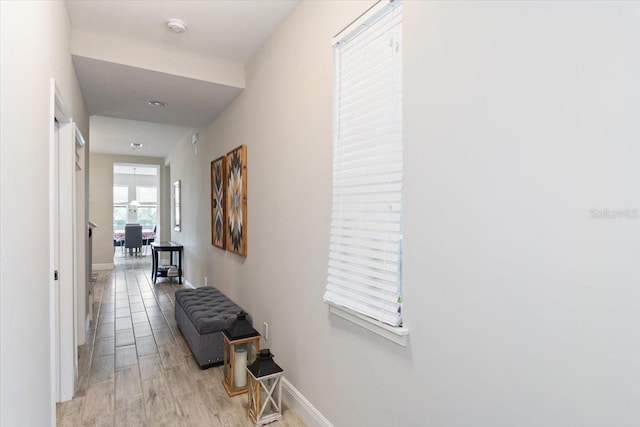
{"x": 207, "y": 308}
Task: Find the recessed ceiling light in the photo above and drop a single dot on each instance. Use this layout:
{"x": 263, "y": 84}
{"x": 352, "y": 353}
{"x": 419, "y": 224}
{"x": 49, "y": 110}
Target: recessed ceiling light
{"x": 176, "y": 26}
{"x": 136, "y": 146}
{"x": 158, "y": 103}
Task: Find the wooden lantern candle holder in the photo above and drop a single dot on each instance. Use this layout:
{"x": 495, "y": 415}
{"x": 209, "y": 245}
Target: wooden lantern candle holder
{"x": 241, "y": 345}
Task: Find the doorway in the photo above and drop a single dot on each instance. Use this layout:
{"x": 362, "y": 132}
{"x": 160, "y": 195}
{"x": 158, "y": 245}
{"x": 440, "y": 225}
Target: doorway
{"x": 136, "y": 200}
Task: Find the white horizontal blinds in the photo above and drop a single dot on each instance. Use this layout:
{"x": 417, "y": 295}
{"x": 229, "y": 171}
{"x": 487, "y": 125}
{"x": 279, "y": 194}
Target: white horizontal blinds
{"x": 365, "y": 245}
{"x": 120, "y": 194}
{"x": 147, "y": 194}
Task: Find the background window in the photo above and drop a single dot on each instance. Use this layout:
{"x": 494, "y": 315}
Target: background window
{"x": 147, "y": 196}
{"x": 120, "y": 203}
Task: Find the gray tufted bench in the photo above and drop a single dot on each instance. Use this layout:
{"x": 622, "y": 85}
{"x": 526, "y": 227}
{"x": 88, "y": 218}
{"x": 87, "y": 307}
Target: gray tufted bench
{"x": 202, "y": 314}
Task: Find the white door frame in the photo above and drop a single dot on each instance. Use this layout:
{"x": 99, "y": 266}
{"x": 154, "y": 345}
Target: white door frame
{"x": 82, "y": 312}
{"x": 62, "y": 291}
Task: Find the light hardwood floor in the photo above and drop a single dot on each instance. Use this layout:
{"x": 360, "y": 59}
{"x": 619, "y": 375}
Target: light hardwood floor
{"x": 136, "y": 368}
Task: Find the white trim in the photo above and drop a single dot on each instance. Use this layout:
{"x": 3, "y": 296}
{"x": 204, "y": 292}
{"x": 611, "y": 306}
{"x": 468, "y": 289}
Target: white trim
{"x": 80, "y": 192}
{"x": 79, "y": 138}
{"x": 188, "y": 284}
{"x": 399, "y": 335}
{"x": 67, "y": 263}
{"x": 295, "y": 400}
{"x": 105, "y": 266}
{"x": 53, "y": 242}
{"x": 61, "y": 112}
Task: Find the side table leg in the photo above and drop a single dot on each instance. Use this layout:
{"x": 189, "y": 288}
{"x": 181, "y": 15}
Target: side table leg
{"x": 154, "y": 263}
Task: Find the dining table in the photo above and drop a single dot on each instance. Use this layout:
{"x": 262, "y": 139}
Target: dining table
{"x": 147, "y": 234}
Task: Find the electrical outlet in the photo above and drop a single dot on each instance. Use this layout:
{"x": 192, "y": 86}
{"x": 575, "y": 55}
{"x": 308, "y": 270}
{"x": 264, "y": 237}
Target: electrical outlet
{"x": 205, "y": 280}
{"x": 266, "y": 331}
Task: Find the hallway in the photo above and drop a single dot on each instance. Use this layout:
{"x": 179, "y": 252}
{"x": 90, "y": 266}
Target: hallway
{"x": 137, "y": 370}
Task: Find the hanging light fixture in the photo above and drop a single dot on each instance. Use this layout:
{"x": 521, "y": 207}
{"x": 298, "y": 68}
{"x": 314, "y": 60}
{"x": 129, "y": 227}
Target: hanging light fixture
{"x": 133, "y": 206}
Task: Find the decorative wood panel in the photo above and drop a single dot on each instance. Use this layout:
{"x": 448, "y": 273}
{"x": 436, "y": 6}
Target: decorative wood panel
{"x": 236, "y": 205}
{"x": 218, "y": 217}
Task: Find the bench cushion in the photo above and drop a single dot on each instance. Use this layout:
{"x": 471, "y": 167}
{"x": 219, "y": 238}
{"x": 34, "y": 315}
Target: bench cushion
{"x": 208, "y": 309}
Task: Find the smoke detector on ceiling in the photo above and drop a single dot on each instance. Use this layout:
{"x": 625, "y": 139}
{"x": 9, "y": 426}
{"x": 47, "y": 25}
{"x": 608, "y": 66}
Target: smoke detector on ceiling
{"x": 176, "y": 26}
{"x": 136, "y": 146}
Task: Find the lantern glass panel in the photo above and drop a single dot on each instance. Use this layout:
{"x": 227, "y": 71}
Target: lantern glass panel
{"x": 240, "y": 365}
{"x": 265, "y": 399}
{"x": 267, "y": 396}
{"x": 227, "y": 360}
{"x": 237, "y": 356}
{"x": 253, "y": 395}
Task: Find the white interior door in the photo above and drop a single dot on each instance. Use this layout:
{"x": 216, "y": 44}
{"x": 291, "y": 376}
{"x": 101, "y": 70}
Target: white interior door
{"x": 54, "y": 260}
{"x": 63, "y": 242}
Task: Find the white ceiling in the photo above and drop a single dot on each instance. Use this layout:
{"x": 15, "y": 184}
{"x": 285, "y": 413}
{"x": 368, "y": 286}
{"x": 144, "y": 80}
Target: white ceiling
{"x": 111, "y": 135}
{"x": 227, "y": 31}
{"x": 231, "y": 29}
{"x": 116, "y": 90}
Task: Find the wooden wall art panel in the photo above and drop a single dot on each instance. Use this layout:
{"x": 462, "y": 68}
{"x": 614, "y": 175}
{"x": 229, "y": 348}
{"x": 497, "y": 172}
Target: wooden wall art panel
{"x": 218, "y": 217}
{"x": 237, "y": 200}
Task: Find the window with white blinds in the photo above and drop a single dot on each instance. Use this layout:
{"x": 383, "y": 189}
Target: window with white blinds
{"x": 120, "y": 195}
{"x": 365, "y": 254}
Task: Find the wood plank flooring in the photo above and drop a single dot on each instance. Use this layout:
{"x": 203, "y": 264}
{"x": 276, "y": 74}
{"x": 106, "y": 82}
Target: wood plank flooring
{"x": 136, "y": 368}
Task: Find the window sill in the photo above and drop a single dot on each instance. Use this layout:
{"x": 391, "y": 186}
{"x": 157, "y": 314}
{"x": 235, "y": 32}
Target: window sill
{"x": 398, "y": 335}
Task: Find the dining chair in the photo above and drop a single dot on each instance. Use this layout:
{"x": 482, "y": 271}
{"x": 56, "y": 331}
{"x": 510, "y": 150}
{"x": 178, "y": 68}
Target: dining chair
{"x": 133, "y": 238}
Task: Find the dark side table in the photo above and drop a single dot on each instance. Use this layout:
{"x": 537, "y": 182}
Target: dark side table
{"x": 163, "y": 270}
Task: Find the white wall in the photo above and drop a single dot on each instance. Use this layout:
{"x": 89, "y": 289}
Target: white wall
{"x": 34, "y": 47}
{"x": 101, "y": 201}
{"x": 520, "y": 118}
{"x": 187, "y": 166}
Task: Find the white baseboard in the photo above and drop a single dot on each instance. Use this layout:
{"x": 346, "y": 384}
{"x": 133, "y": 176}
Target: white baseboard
{"x": 188, "y": 284}
{"x": 106, "y": 266}
{"x": 296, "y": 401}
